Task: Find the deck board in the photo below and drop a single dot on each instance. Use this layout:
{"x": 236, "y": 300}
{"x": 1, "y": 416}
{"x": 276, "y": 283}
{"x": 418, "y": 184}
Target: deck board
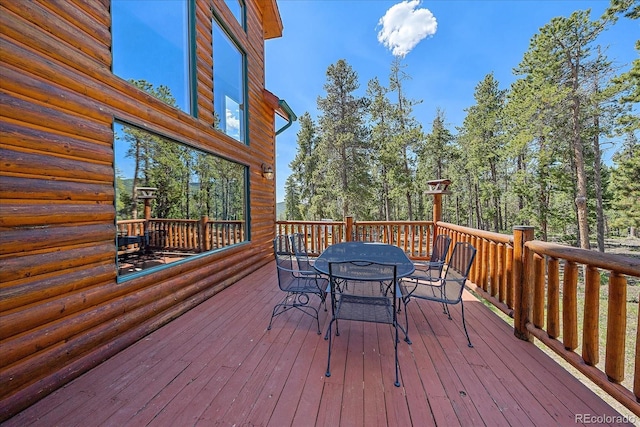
{"x": 218, "y": 364}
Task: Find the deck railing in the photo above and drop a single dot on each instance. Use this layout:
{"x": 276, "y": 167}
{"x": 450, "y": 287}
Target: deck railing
{"x": 537, "y": 283}
{"x": 559, "y": 283}
{"x": 414, "y": 237}
{"x": 181, "y": 235}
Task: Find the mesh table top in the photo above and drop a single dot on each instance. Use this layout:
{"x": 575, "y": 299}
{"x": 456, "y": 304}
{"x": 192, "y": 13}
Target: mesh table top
{"x": 366, "y": 252}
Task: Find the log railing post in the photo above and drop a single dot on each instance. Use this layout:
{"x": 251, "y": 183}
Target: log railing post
{"x": 349, "y": 228}
{"x": 616, "y": 327}
{"x": 202, "y": 230}
{"x": 522, "y": 299}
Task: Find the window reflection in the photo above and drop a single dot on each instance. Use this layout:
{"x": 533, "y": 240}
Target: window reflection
{"x": 228, "y": 85}
{"x": 150, "y": 43}
{"x": 237, "y": 8}
{"x": 172, "y": 201}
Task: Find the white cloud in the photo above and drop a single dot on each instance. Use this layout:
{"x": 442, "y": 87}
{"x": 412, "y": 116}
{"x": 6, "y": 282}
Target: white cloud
{"x": 404, "y": 25}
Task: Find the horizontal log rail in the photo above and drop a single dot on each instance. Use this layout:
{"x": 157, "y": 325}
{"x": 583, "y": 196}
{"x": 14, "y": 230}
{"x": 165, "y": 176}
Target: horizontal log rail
{"x": 557, "y": 280}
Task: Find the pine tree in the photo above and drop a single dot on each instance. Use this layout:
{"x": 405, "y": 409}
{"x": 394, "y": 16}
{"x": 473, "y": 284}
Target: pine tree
{"x": 344, "y": 142}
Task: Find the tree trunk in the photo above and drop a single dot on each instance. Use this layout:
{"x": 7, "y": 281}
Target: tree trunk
{"x": 581, "y": 188}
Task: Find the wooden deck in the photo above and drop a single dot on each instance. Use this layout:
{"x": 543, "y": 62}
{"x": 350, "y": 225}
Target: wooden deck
{"x": 218, "y": 365}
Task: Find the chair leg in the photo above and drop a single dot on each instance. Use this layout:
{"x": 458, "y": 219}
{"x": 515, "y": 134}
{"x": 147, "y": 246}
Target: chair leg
{"x": 406, "y": 322}
{"x": 464, "y": 325}
{"x": 329, "y": 336}
{"x": 395, "y": 344}
{"x": 287, "y": 305}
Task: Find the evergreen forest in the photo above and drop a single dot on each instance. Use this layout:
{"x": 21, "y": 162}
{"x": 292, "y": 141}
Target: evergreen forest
{"x": 529, "y": 154}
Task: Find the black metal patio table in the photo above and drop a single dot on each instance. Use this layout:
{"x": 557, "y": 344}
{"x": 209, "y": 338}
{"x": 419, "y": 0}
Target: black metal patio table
{"x": 354, "y": 268}
{"x": 365, "y": 251}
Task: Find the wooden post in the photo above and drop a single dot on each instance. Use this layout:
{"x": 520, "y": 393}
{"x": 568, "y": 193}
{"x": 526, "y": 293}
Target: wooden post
{"x": 590, "y": 330}
{"x": 616, "y": 327}
{"x": 437, "y": 188}
{"x": 570, "y": 306}
{"x": 437, "y": 207}
{"x": 522, "y": 300}
{"x": 349, "y": 230}
{"x": 203, "y": 240}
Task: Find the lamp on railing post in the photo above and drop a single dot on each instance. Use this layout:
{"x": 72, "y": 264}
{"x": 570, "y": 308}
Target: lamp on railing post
{"x": 437, "y": 187}
{"x": 146, "y": 194}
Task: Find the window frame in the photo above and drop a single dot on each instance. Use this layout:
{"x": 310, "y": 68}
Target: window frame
{"x": 216, "y": 19}
{"x": 245, "y": 195}
{"x": 191, "y": 73}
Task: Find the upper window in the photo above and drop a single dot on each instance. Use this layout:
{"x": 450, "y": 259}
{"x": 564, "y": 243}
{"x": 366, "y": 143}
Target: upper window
{"x": 237, "y": 8}
{"x": 151, "y": 46}
{"x": 228, "y": 85}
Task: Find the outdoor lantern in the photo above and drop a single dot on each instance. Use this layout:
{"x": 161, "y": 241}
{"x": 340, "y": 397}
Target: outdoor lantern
{"x": 267, "y": 171}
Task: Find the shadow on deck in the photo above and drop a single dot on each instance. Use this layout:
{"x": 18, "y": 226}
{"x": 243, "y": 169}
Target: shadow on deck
{"x": 218, "y": 365}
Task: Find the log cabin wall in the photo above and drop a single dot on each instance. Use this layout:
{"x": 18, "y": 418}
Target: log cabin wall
{"x": 62, "y": 309}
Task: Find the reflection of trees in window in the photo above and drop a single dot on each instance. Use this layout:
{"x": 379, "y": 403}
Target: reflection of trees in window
{"x": 190, "y": 183}
{"x": 150, "y": 40}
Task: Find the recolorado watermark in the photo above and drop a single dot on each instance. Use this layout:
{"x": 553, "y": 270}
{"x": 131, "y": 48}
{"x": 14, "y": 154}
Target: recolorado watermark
{"x": 605, "y": 419}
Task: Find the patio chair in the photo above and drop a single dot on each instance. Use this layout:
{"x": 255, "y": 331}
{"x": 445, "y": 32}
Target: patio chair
{"x": 433, "y": 267}
{"x": 446, "y": 289}
{"x": 363, "y": 299}
{"x": 426, "y": 271}
{"x": 305, "y": 262}
{"x": 297, "y": 285}
{"x": 299, "y": 246}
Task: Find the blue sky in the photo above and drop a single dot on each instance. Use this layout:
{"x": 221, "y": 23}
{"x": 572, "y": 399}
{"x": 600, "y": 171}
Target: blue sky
{"x": 471, "y": 40}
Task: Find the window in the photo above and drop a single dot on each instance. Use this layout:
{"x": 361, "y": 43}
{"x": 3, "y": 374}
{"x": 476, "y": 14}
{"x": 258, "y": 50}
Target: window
{"x": 151, "y": 47}
{"x": 228, "y": 85}
{"x": 173, "y": 202}
{"x": 237, "y": 8}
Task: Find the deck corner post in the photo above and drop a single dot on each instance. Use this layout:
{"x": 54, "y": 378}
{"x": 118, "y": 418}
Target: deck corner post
{"x": 522, "y": 300}
{"x": 349, "y": 228}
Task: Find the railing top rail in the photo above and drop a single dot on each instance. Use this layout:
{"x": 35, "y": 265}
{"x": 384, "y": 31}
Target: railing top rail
{"x": 130, "y": 221}
{"x": 311, "y": 222}
{"x": 614, "y": 262}
{"x": 489, "y": 235}
{"x": 173, "y": 220}
{"x": 392, "y": 222}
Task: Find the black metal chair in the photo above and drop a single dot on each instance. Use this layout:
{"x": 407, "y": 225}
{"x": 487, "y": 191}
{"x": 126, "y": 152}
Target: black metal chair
{"x": 299, "y": 246}
{"x": 433, "y": 267}
{"x": 305, "y": 262}
{"x": 298, "y": 285}
{"x": 446, "y": 289}
{"x": 364, "y": 299}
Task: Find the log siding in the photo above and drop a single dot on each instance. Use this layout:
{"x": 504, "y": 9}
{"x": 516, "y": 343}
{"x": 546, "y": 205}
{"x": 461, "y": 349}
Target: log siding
{"x": 62, "y": 308}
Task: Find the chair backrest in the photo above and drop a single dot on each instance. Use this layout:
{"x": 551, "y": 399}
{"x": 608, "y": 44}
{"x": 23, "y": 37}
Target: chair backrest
{"x": 440, "y": 248}
{"x": 369, "y": 283}
{"x": 299, "y": 246}
{"x": 284, "y": 261}
{"x": 457, "y": 270}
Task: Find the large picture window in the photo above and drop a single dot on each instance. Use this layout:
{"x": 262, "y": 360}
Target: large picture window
{"x": 228, "y": 85}
{"x": 151, "y": 47}
{"x": 173, "y": 202}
